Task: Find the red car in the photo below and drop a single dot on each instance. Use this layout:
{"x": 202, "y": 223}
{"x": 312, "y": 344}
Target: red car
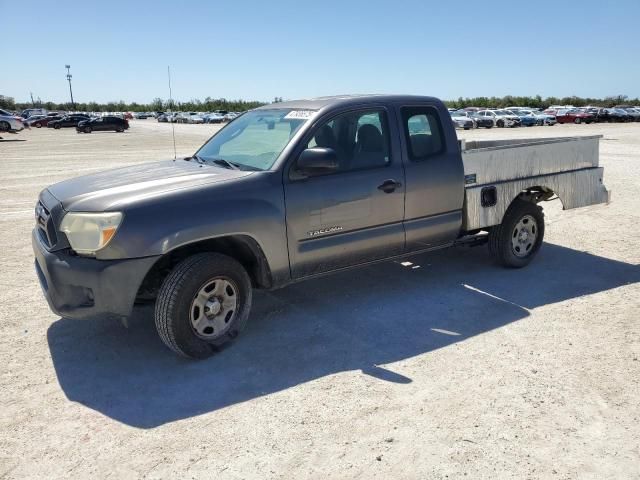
{"x": 571, "y": 116}
{"x": 42, "y": 120}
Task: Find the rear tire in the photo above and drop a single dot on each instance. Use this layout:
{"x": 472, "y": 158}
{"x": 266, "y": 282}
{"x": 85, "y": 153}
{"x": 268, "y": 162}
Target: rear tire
{"x": 87, "y": 129}
{"x": 518, "y": 238}
{"x": 37, "y": 125}
{"x": 119, "y": 129}
{"x": 57, "y": 127}
{"x": 577, "y": 121}
{"x": 5, "y": 127}
{"x": 500, "y": 123}
{"x": 189, "y": 327}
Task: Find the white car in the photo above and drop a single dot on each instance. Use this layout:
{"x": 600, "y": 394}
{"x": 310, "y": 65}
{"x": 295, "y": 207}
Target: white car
{"x": 10, "y": 123}
{"x": 189, "y": 117}
{"x": 214, "y": 118}
{"x": 501, "y": 118}
{"x": 462, "y": 121}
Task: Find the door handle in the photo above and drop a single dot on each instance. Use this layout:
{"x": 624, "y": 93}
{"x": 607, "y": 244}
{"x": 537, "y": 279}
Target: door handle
{"x": 389, "y": 186}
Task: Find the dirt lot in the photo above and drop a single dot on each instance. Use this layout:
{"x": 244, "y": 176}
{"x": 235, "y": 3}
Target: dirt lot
{"x": 454, "y": 369}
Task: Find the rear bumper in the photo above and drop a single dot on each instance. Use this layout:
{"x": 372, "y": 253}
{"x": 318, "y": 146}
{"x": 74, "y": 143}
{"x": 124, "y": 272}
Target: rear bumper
{"x": 78, "y": 287}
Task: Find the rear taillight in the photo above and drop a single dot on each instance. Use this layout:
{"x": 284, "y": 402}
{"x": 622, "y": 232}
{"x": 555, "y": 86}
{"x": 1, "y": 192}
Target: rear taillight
{"x": 20, "y": 119}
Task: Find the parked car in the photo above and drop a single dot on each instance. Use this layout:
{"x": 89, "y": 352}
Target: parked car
{"x": 35, "y": 119}
{"x": 190, "y": 117}
{"x": 477, "y": 121}
{"x": 500, "y": 118}
{"x": 10, "y": 123}
{"x": 619, "y": 115}
{"x": 527, "y": 119}
{"x": 68, "y": 121}
{"x": 572, "y": 116}
{"x": 141, "y": 115}
{"x": 599, "y": 114}
{"x": 101, "y": 124}
{"x": 99, "y": 245}
{"x": 30, "y": 112}
{"x": 634, "y": 112}
{"x": 545, "y": 118}
{"x": 213, "y": 118}
{"x": 461, "y": 121}
{"x": 480, "y": 121}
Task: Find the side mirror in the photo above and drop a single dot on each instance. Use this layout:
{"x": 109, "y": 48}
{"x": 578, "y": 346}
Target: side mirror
{"x": 317, "y": 161}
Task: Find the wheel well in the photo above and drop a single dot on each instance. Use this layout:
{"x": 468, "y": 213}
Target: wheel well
{"x": 537, "y": 194}
{"x": 240, "y": 247}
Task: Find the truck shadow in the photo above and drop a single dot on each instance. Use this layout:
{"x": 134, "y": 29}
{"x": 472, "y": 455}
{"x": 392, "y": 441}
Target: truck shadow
{"x": 354, "y": 320}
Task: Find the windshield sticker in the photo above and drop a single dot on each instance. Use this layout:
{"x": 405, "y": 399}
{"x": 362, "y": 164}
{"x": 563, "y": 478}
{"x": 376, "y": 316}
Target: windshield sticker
{"x": 299, "y": 114}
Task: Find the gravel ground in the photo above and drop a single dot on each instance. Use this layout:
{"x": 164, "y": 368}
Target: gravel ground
{"x": 457, "y": 368}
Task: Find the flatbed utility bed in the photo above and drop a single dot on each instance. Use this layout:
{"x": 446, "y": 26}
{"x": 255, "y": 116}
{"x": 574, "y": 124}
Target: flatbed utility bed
{"x": 499, "y": 169}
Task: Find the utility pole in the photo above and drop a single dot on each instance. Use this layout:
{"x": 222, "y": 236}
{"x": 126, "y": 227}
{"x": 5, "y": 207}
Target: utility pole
{"x": 68, "y": 67}
{"x": 32, "y": 102}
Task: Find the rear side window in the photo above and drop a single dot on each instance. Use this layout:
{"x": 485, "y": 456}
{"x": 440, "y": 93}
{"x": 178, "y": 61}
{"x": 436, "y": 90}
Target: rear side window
{"x": 423, "y": 132}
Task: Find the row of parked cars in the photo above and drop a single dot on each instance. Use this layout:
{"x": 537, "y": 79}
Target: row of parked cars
{"x": 218, "y": 116}
{"x": 472, "y": 117}
{"x": 82, "y": 122}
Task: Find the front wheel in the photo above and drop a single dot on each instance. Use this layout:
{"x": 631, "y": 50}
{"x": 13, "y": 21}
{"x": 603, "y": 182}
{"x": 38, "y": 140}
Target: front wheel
{"x": 518, "y": 238}
{"x": 37, "y": 124}
{"x": 577, "y": 121}
{"x": 87, "y": 129}
{"x": 203, "y": 304}
{"x": 500, "y": 124}
{"x": 57, "y": 127}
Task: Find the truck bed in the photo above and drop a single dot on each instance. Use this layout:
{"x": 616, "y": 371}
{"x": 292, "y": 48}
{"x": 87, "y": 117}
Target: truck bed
{"x": 568, "y": 166}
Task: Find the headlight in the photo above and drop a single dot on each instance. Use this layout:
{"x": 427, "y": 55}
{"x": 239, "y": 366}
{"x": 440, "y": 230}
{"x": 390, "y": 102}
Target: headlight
{"x": 89, "y": 232}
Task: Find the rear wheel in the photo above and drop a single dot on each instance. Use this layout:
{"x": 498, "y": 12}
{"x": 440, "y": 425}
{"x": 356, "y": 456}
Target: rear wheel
{"x": 500, "y": 123}
{"x": 119, "y": 129}
{"x": 56, "y": 126}
{"x": 87, "y": 129}
{"x": 203, "y": 304}
{"x": 37, "y": 125}
{"x": 577, "y": 121}
{"x": 518, "y": 238}
{"x": 5, "y": 127}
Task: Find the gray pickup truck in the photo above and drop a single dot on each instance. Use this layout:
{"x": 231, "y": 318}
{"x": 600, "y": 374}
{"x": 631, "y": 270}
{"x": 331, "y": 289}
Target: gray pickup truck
{"x": 290, "y": 191}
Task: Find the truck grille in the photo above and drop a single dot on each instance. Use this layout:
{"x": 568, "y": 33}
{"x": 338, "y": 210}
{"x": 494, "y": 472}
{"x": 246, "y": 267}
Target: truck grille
{"x": 45, "y": 227}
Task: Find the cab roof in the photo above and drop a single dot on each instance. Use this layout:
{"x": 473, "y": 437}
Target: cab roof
{"x": 319, "y": 103}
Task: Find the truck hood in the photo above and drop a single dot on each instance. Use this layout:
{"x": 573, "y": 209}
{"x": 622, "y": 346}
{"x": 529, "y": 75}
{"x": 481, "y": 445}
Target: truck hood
{"x": 114, "y": 189}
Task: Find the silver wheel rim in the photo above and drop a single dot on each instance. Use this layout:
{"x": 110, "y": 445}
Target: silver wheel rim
{"x": 524, "y": 236}
{"x": 213, "y": 308}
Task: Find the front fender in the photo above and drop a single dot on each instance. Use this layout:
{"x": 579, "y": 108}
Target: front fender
{"x": 253, "y": 207}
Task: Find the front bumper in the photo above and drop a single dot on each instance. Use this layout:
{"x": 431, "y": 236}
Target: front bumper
{"x": 79, "y": 287}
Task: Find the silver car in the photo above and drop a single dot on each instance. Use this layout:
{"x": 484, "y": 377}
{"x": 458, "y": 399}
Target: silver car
{"x": 10, "y": 123}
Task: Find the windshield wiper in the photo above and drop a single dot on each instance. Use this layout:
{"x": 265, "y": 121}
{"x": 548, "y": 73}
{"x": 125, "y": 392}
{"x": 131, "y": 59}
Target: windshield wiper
{"x": 196, "y": 158}
{"x": 226, "y": 163}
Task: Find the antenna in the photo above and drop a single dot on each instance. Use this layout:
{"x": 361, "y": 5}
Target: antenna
{"x": 173, "y": 128}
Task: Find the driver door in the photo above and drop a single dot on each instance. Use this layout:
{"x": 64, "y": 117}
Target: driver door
{"x": 355, "y": 214}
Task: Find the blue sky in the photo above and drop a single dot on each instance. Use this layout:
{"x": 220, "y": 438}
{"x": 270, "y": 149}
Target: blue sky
{"x": 261, "y": 49}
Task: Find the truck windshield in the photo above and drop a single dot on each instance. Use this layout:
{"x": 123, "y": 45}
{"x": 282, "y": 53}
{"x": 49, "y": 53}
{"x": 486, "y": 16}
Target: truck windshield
{"x": 254, "y": 140}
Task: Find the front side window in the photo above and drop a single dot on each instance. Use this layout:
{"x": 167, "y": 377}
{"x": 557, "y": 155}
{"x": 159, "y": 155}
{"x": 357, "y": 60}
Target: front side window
{"x": 255, "y": 140}
{"x": 360, "y": 139}
{"x": 423, "y": 132}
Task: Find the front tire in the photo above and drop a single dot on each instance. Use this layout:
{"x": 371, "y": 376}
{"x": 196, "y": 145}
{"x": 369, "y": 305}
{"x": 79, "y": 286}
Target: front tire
{"x": 203, "y": 304}
{"x": 5, "y": 127}
{"x": 57, "y": 127}
{"x": 518, "y": 238}
{"x": 500, "y": 124}
{"x": 87, "y": 129}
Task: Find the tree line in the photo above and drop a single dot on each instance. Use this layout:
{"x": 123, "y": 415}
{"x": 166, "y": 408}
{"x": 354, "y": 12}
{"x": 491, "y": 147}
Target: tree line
{"x": 211, "y": 104}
